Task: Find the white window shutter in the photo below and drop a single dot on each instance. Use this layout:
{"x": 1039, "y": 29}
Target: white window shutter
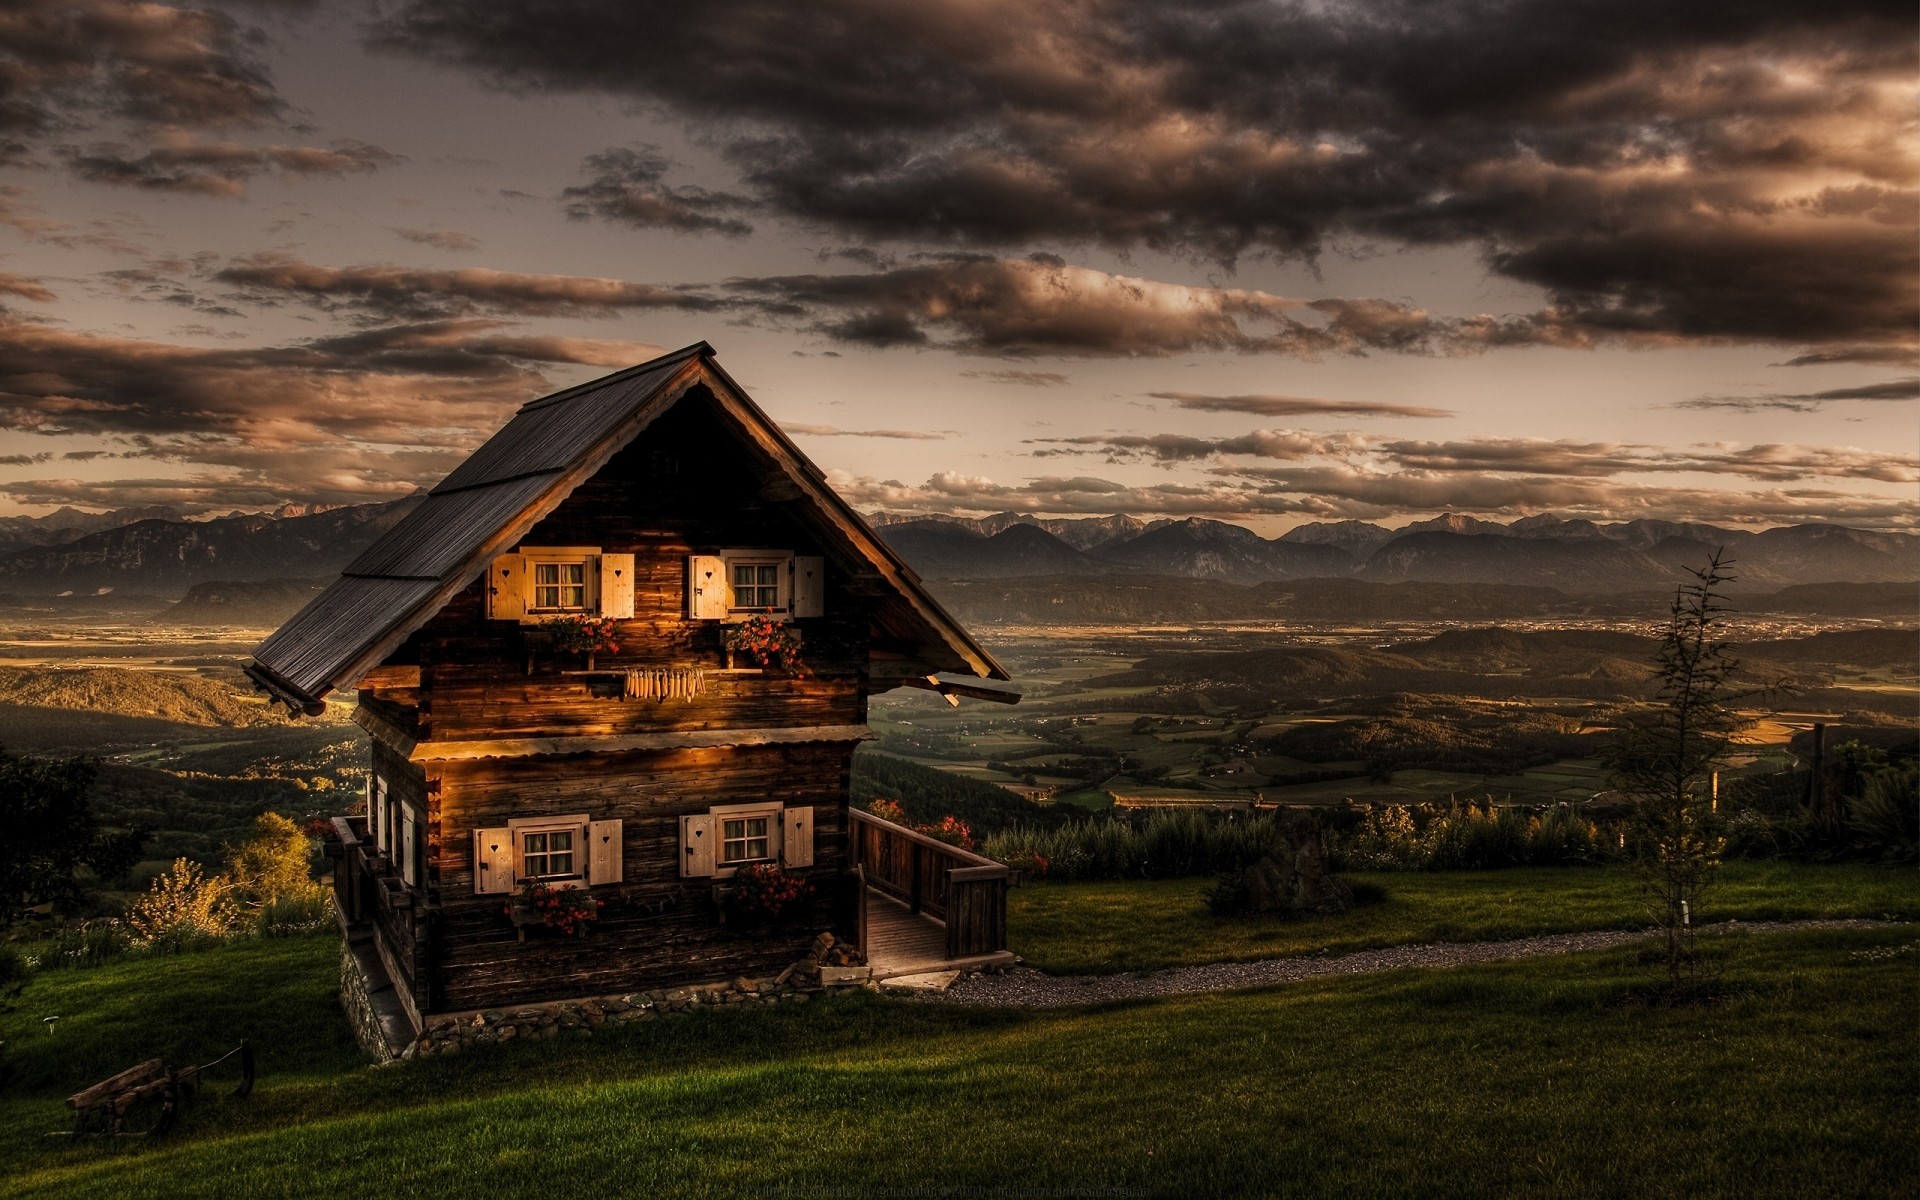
{"x": 605, "y": 853}
{"x": 698, "y": 845}
{"x": 809, "y": 586}
{"x": 408, "y": 846}
{"x": 492, "y": 861}
{"x": 507, "y": 588}
{"x": 706, "y": 587}
{"x": 379, "y": 815}
{"x": 616, "y": 586}
{"x": 796, "y": 837}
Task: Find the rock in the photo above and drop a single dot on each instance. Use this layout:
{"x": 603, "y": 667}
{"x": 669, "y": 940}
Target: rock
{"x": 1294, "y": 877}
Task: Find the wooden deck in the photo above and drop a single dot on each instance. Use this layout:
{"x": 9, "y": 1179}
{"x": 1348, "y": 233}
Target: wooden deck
{"x": 902, "y": 942}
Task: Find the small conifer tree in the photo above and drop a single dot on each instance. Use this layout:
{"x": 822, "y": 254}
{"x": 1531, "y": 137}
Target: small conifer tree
{"x": 1666, "y": 762}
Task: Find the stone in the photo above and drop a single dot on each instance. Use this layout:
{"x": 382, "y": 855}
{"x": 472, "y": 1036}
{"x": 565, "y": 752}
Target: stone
{"x": 1294, "y": 876}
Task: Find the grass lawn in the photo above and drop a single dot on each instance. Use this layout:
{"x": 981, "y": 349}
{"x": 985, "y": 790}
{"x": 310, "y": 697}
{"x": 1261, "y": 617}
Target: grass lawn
{"x": 1141, "y": 925}
{"x": 1537, "y": 1078}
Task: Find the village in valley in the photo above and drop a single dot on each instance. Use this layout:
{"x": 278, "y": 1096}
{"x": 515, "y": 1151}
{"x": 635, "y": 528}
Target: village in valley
{"x": 1402, "y": 676}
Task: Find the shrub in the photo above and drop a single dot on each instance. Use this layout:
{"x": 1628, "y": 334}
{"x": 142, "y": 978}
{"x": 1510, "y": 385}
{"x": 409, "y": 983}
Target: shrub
{"x": 1886, "y": 817}
{"x": 888, "y": 810}
{"x": 1456, "y": 837}
{"x": 185, "y": 904}
{"x": 285, "y": 916}
{"x": 1162, "y": 844}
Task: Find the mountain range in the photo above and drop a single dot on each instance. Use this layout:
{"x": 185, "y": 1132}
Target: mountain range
{"x": 1574, "y": 557}
{"x": 154, "y": 551}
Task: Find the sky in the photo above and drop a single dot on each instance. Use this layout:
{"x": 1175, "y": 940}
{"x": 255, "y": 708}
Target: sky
{"x": 1270, "y": 263}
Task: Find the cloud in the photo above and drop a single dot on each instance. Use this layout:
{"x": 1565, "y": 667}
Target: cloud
{"x": 1170, "y": 448}
{"x": 440, "y": 239}
{"x": 1019, "y": 378}
{"x": 414, "y": 292}
{"x": 1533, "y": 456}
{"x": 1883, "y": 356}
{"x": 73, "y": 63}
{"x": 23, "y": 460}
{"x": 626, "y": 185}
{"x": 1041, "y": 305}
{"x": 350, "y": 417}
{"x": 24, "y": 286}
{"x": 179, "y": 163}
{"x": 1296, "y": 406}
{"x": 1347, "y": 492}
{"x": 1659, "y": 170}
{"x": 910, "y": 435}
{"x": 1893, "y": 389}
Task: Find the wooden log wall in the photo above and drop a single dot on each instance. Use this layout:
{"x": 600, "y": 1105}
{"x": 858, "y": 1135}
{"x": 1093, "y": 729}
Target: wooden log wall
{"x": 656, "y": 929}
{"x": 685, "y": 486}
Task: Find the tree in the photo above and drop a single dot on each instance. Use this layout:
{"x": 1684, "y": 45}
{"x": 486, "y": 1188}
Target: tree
{"x": 51, "y": 833}
{"x": 1666, "y": 761}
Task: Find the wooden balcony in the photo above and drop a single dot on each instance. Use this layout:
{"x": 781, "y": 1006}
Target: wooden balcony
{"x": 930, "y": 906}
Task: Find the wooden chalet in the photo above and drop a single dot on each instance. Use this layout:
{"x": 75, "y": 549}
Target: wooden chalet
{"x": 663, "y": 498}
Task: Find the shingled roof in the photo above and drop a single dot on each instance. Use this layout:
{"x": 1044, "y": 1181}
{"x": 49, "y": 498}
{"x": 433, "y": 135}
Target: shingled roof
{"x": 550, "y": 447}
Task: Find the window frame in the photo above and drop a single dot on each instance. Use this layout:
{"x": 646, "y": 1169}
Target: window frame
{"x": 782, "y": 563}
{"x": 769, "y": 811}
{"x": 574, "y": 825}
{"x": 584, "y": 557}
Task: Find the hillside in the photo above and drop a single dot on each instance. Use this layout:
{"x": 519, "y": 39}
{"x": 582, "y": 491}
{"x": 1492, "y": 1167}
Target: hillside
{"x": 176, "y": 696}
{"x": 169, "y": 557}
{"x": 258, "y": 604}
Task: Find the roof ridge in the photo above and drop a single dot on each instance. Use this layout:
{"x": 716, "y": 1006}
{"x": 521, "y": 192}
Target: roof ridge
{"x": 652, "y": 364}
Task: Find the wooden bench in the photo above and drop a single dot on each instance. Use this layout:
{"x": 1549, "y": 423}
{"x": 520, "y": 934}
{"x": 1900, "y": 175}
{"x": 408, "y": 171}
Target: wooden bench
{"x": 101, "y": 1110}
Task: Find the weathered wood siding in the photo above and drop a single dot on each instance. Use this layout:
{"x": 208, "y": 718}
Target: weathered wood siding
{"x": 685, "y": 486}
{"x": 656, "y": 929}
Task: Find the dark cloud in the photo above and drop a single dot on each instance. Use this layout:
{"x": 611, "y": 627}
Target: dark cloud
{"x": 73, "y": 63}
{"x": 1906, "y": 390}
{"x": 1019, "y": 378}
{"x": 1040, "y": 305}
{"x": 1660, "y": 169}
{"x": 628, "y": 185}
{"x": 23, "y": 460}
{"x": 183, "y": 164}
{"x": 355, "y": 416}
{"x": 440, "y": 239}
{"x": 413, "y": 292}
{"x": 1296, "y": 406}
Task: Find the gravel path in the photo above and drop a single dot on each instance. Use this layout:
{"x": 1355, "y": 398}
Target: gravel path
{"x": 1024, "y": 987}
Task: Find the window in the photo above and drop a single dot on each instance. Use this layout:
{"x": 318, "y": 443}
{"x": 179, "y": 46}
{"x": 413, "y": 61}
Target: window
{"x": 537, "y": 583}
{"x": 560, "y": 851}
{"x": 757, "y": 585}
{"x": 737, "y": 584}
{"x": 547, "y": 854}
{"x": 745, "y": 839}
{"x": 560, "y": 586}
{"x": 716, "y": 843}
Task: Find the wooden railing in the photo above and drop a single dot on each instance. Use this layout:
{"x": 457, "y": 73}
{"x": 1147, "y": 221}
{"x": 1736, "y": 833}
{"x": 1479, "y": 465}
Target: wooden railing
{"x": 961, "y": 888}
{"x": 368, "y": 892}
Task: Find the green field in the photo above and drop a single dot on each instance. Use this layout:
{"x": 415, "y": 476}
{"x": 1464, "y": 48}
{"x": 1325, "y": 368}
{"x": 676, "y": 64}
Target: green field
{"x": 1538, "y": 1078}
{"x": 1146, "y": 924}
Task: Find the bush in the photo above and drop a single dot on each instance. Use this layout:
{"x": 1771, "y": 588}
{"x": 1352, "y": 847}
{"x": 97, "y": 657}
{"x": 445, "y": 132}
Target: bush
{"x": 286, "y": 916}
{"x": 81, "y": 944}
{"x": 1886, "y": 817}
{"x": 185, "y": 904}
{"x": 1162, "y": 844}
{"x": 1397, "y": 837}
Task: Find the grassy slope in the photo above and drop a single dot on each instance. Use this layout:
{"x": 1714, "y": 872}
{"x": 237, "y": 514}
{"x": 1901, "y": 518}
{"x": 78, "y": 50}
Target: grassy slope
{"x": 1529, "y": 1078}
{"x": 1140, "y": 925}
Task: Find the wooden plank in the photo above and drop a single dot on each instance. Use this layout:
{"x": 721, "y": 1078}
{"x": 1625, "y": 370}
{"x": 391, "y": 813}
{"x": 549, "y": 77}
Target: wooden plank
{"x": 106, "y": 1087}
{"x": 704, "y": 738}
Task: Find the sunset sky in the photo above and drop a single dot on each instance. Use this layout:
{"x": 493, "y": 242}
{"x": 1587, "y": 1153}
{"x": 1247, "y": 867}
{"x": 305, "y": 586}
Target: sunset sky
{"x": 1269, "y": 263}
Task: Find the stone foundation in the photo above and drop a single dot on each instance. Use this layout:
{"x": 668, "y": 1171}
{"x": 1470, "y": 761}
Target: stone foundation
{"x": 386, "y": 1039}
